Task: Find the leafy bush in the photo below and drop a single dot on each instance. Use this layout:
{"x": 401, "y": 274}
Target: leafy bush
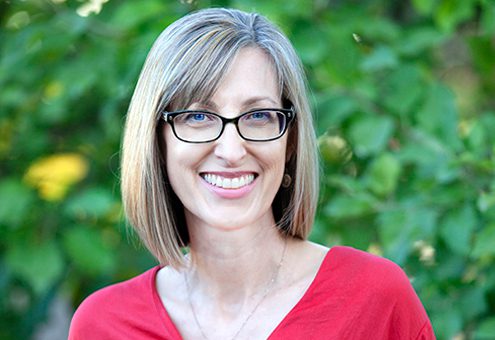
{"x": 403, "y": 99}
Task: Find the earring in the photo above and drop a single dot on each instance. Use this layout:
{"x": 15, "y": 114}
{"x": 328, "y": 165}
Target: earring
{"x": 286, "y": 181}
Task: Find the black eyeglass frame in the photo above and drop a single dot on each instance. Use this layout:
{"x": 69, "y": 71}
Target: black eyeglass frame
{"x": 289, "y": 114}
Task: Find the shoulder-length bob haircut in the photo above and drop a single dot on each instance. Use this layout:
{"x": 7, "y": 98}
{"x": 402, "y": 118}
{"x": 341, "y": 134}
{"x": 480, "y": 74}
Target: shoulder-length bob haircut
{"x": 186, "y": 65}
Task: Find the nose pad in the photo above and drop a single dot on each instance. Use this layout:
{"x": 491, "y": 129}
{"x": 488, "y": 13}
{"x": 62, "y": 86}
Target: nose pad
{"x": 230, "y": 146}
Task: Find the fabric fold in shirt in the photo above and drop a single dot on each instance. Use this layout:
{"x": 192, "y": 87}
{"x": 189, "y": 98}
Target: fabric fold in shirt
{"x": 355, "y": 295}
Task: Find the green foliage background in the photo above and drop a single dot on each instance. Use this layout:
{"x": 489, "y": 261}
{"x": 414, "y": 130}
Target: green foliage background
{"x": 403, "y": 95}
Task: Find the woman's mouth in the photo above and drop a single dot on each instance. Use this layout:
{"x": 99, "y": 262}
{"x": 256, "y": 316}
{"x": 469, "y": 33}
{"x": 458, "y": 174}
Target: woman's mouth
{"x": 223, "y": 182}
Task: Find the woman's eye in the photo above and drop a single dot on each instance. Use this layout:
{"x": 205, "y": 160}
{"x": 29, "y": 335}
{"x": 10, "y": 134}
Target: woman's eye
{"x": 259, "y": 115}
{"x": 197, "y": 117}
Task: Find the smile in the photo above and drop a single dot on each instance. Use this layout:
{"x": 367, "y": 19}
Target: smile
{"x": 228, "y": 183}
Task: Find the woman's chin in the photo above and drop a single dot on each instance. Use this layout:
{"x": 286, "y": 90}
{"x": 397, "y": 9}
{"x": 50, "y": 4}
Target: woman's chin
{"x": 230, "y": 219}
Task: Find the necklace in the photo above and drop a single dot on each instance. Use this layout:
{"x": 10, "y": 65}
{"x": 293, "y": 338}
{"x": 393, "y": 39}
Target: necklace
{"x": 265, "y": 294}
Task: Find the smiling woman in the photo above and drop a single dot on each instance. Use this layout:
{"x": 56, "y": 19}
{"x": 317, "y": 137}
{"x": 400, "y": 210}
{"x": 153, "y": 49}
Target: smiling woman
{"x": 219, "y": 156}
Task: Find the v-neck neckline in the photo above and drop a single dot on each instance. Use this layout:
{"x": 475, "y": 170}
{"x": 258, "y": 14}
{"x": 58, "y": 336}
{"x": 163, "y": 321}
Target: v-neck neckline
{"x": 170, "y": 326}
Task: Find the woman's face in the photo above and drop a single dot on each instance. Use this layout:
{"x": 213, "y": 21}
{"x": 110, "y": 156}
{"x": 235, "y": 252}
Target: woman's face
{"x": 250, "y": 83}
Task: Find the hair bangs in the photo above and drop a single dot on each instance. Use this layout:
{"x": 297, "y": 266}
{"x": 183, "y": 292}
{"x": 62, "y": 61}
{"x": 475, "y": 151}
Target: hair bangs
{"x": 205, "y": 64}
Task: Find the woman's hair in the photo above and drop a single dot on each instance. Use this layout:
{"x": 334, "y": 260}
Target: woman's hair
{"x": 186, "y": 65}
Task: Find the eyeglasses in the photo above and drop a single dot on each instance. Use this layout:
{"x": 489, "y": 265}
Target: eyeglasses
{"x": 199, "y": 126}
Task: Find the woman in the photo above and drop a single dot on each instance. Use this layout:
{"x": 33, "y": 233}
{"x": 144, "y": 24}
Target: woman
{"x": 219, "y": 156}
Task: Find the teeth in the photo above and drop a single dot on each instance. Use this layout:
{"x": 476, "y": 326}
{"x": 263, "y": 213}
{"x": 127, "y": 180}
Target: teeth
{"x": 228, "y": 183}
{"x": 235, "y": 183}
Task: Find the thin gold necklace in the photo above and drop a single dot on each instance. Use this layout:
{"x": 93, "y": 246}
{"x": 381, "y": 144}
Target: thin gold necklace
{"x": 265, "y": 294}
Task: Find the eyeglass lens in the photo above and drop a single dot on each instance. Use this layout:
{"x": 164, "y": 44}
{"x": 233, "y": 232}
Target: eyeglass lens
{"x": 203, "y": 126}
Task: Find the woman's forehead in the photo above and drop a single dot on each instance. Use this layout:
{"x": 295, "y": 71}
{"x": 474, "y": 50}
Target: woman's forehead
{"x": 205, "y": 91}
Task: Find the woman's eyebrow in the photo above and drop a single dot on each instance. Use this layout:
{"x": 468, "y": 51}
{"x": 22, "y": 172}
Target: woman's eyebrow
{"x": 208, "y": 104}
{"x": 205, "y": 104}
{"x": 255, "y": 100}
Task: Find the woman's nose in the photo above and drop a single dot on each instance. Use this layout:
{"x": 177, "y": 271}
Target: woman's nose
{"x": 230, "y": 146}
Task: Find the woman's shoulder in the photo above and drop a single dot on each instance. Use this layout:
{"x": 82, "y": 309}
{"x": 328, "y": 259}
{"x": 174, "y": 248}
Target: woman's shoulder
{"x": 360, "y": 263}
{"x": 113, "y": 304}
{"x": 354, "y": 293}
{"x": 376, "y": 286}
{"x": 350, "y": 269}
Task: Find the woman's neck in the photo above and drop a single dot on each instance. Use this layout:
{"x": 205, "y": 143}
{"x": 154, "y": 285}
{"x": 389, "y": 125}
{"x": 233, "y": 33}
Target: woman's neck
{"x": 230, "y": 267}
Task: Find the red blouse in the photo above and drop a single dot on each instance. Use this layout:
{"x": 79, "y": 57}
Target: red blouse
{"x": 355, "y": 295}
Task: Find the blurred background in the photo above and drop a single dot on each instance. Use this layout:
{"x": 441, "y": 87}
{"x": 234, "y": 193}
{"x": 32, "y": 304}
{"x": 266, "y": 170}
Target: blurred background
{"x": 404, "y": 99}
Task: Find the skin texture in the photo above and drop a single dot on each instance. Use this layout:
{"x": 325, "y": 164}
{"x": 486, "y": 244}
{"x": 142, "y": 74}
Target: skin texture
{"x": 235, "y": 246}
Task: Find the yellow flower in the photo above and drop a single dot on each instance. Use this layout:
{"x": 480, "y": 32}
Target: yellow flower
{"x": 53, "y": 175}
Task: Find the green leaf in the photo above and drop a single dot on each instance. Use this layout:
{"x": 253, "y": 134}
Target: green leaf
{"x": 425, "y": 6}
{"x": 88, "y": 250}
{"x": 484, "y": 242}
{"x": 92, "y": 203}
{"x": 401, "y": 227}
{"x": 402, "y": 90}
{"x": 384, "y": 174}
{"x": 488, "y": 17}
{"x": 341, "y": 65}
{"x": 41, "y": 265}
{"x": 433, "y": 159}
{"x": 447, "y": 322}
{"x": 483, "y": 53}
{"x": 370, "y": 135}
{"x": 131, "y": 14}
{"x": 333, "y": 110}
{"x": 417, "y": 40}
{"x": 457, "y": 229}
{"x": 486, "y": 329}
{"x": 452, "y": 12}
{"x": 486, "y": 201}
{"x": 381, "y": 58}
{"x": 439, "y": 116}
{"x": 473, "y": 302}
{"x": 16, "y": 200}
{"x": 344, "y": 206}
{"x": 477, "y": 137}
{"x": 381, "y": 29}
{"x": 310, "y": 53}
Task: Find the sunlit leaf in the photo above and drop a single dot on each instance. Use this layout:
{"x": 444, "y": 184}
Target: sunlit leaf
{"x": 452, "y": 12}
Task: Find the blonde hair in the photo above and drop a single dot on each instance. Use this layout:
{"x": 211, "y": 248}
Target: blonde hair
{"x": 186, "y": 64}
